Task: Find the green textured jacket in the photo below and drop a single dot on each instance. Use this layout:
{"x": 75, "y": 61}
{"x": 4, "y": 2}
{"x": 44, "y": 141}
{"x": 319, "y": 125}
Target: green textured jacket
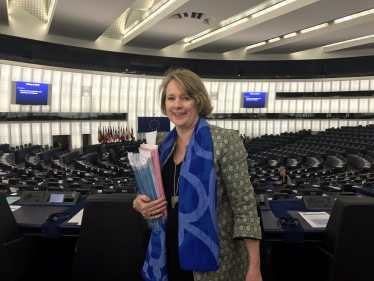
{"x": 236, "y": 206}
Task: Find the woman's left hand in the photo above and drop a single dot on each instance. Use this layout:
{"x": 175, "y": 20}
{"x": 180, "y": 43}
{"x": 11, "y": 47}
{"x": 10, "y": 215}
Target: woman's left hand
{"x": 253, "y": 274}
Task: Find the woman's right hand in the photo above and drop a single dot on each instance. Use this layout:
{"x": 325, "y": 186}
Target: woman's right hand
{"x": 149, "y": 209}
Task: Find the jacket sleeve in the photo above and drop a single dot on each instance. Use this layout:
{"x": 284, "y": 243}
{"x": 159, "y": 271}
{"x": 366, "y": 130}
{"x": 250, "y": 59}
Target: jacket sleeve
{"x": 234, "y": 172}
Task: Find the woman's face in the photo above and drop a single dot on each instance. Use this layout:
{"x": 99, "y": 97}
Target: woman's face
{"x": 180, "y": 107}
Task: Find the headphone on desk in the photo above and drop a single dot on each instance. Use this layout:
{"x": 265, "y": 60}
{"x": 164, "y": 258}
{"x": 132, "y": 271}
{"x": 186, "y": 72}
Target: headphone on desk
{"x": 56, "y": 216}
{"x": 288, "y": 221}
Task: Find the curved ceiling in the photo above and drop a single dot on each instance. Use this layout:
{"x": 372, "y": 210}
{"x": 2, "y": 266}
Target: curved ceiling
{"x": 203, "y": 29}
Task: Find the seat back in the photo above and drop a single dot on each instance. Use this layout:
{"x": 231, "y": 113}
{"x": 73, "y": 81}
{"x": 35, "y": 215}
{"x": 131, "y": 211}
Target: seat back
{"x": 349, "y": 233}
{"x": 113, "y": 239}
{"x": 14, "y": 251}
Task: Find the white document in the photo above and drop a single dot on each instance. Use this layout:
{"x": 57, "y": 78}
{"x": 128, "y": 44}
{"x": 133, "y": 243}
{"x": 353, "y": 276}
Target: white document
{"x": 77, "y": 218}
{"x": 14, "y": 208}
{"x": 316, "y": 219}
{"x": 151, "y": 137}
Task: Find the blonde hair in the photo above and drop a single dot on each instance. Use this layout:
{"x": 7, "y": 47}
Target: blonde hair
{"x": 193, "y": 86}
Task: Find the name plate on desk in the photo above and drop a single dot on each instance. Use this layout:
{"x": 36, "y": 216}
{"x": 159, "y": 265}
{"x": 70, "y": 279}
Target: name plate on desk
{"x": 50, "y": 198}
{"x": 318, "y": 202}
{"x": 125, "y": 190}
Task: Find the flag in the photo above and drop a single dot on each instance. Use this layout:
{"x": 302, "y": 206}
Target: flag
{"x": 150, "y": 124}
{"x": 107, "y": 134}
{"x": 132, "y": 134}
{"x": 127, "y": 133}
{"x": 99, "y": 134}
{"x": 119, "y": 133}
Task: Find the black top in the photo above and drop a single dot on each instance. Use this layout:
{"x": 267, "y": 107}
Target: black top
{"x": 174, "y": 269}
{"x": 285, "y": 180}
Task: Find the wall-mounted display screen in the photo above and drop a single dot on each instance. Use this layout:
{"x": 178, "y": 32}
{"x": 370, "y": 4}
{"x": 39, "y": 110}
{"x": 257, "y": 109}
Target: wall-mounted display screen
{"x": 254, "y": 100}
{"x": 31, "y": 93}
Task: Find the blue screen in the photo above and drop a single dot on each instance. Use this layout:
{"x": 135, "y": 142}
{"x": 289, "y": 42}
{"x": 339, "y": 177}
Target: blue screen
{"x": 254, "y": 99}
{"x": 31, "y": 93}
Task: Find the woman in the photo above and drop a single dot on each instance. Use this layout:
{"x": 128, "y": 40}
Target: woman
{"x": 209, "y": 197}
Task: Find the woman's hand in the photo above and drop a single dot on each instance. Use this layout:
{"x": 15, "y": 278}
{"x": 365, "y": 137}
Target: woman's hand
{"x": 253, "y": 275}
{"x": 149, "y": 209}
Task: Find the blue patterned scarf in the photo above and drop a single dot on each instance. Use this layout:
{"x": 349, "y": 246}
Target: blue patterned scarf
{"x": 197, "y": 207}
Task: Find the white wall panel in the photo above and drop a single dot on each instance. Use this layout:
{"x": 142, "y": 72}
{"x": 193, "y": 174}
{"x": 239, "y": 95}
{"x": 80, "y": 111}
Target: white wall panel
{"x": 363, "y": 122}
{"x": 285, "y": 106}
{"x": 286, "y": 86}
{"x": 325, "y": 106}
{"x": 371, "y": 105}
{"x": 280, "y": 87}
{"x": 36, "y": 133}
{"x": 76, "y": 92}
{"x": 345, "y": 85}
{"x": 157, "y": 111}
{"x": 334, "y": 123}
{"x": 47, "y": 79}
{"x": 4, "y": 133}
{"x": 363, "y": 105}
{"x": 353, "y": 105}
{"x": 258, "y": 87}
{"x": 244, "y": 88}
{"x": 343, "y": 123}
{"x": 235, "y": 125}
{"x": 325, "y": 124}
{"x": 15, "y": 134}
{"x": 308, "y": 106}
{"x": 316, "y": 125}
{"x": 16, "y": 72}
{"x": 114, "y": 94}
{"x": 278, "y": 106}
{"x": 105, "y": 94}
{"x": 364, "y": 85}
{"x": 26, "y": 77}
{"x": 263, "y": 127}
{"x": 25, "y": 133}
{"x": 5, "y": 87}
{"x": 230, "y": 92}
{"x": 277, "y": 129}
{"x": 236, "y": 96}
{"x": 326, "y": 86}
{"x": 87, "y": 100}
{"x": 317, "y": 86}
{"x": 76, "y": 136}
{"x": 141, "y": 98}
{"x": 65, "y": 128}
{"x": 352, "y": 123}
{"x": 271, "y": 97}
{"x": 301, "y": 87}
{"x": 269, "y": 127}
{"x": 227, "y": 124}
{"x": 343, "y": 106}
{"x": 150, "y": 102}
{"x": 317, "y": 106}
{"x": 309, "y": 87}
{"x": 371, "y": 84}
{"x": 255, "y": 128}
{"x": 56, "y": 129}
{"x": 66, "y": 87}
{"x": 291, "y": 106}
{"x": 96, "y": 93}
{"x": 124, "y": 95}
{"x": 307, "y": 124}
{"x": 242, "y": 127}
{"x": 292, "y": 126}
{"x": 56, "y": 91}
{"x": 299, "y": 106}
{"x": 265, "y": 87}
{"x": 221, "y": 103}
{"x": 132, "y": 116}
{"x": 299, "y": 125}
{"x": 86, "y": 129}
{"x": 355, "y": 85}
{"x": 335, "y": 86}
{"x": 284, "y": 126}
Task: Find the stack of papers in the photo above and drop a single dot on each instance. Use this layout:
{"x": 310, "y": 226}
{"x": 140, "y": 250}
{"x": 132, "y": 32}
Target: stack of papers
{"x": 77, "y": 218}
{"x": 316, "y": 219}
{"x": 14, "y": 208}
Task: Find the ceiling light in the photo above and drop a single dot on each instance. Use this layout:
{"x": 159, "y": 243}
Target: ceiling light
{"x": 272, "y": 8}
{"x": 314, "y": 28}
{"x": 290, "y": 35}
{"x": 354, "y": 16}
{"x": 256, "y": 45}
{"x": 274, "y": 40}
{"x": 219, "y": 30}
